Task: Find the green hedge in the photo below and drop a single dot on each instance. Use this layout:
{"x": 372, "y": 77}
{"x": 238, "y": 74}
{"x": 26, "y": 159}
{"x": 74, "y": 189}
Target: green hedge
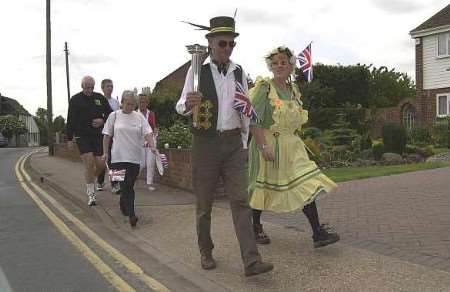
{"x": 394, "y": 138}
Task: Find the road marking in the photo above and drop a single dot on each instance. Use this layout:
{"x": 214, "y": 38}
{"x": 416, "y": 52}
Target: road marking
{"x": 116, "y": 254}
{"x": 101, "y": 266}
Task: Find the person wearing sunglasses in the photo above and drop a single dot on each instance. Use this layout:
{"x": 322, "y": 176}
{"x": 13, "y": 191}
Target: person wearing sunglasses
{"x": 219, "y": 145}
{"x": 282, "y": 177}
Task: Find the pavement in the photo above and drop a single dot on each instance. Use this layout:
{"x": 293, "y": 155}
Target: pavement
{"x": 395, "y": 233}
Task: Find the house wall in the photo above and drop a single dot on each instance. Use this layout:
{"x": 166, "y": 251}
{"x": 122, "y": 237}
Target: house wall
{"x": 32, "y": 138}
{"x": 436, "y": 71}
{"x": 427, "y": 76}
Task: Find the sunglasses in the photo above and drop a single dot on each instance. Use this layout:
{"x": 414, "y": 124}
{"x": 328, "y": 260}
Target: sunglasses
{"x": 223, "y": 44}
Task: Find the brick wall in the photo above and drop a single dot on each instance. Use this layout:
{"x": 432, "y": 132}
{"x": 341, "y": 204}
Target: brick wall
{"x": 62, "y": 151}
{"x": 389, "y": 114}
{"x": 428, "y": 104}
{"x": 179, "y": 173}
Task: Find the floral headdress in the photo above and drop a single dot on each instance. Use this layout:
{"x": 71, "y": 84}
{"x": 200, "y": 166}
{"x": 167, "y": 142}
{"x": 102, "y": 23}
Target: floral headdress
{"x": 284, "y": 50}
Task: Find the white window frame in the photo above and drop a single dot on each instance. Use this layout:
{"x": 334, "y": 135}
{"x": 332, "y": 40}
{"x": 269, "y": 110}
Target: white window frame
{"x": 447, "y": 95}
{"x": 447, "y": 45}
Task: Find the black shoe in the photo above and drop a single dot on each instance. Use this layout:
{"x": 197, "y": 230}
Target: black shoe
{"x": 258, "y": 268}
{"x": 133, "y": 221}
{"x": 208, "y": 262}
{"x": 325, "y": 236}
{"x": 260, "y": 236}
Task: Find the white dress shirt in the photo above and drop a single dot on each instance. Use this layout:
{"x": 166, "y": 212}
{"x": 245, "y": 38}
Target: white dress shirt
{"x": 228, "y": 118}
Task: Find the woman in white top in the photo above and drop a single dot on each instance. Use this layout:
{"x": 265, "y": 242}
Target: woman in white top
{"x": 128, "y": 129}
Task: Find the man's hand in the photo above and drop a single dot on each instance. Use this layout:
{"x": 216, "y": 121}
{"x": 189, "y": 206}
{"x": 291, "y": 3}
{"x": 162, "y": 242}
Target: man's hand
{"x": 97, "y": 123}
{"x": 70, "y": 145}
{"x": 193, "y": 99}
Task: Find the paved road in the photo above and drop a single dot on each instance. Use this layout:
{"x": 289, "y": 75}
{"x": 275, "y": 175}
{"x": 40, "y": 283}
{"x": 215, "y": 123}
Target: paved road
{"x": 405, "y": 216}
{"x": 34, "y": 256}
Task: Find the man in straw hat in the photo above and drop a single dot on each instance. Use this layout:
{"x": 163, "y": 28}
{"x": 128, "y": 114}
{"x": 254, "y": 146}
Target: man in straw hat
{"x": 220, "y": 142}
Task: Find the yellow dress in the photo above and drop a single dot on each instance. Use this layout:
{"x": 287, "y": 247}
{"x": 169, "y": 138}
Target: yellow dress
{"x": 292, "y": 180}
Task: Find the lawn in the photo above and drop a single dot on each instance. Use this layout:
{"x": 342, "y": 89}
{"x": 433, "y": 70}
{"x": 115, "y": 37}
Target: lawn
{"x": 352, "y": 173}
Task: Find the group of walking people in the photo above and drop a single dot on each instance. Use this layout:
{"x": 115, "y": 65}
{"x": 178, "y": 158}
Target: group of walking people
{"x": 109, "y": 135}
{"x": 272, "y": 172}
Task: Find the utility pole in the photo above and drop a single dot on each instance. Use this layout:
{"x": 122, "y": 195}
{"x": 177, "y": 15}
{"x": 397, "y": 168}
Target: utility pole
{"x": 66, "y": 50}
{"x": 51, "y": 149}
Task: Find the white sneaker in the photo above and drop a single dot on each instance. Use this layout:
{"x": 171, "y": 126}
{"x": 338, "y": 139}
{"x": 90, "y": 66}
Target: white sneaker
{"x": 151, "y": 188}
{"x": 91, "y": 201}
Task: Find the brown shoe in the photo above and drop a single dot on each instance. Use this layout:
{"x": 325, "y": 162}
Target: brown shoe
{"x": 133, "y": 221}
{"x": 260, "y": 236}
{"x": 208, "y": 262}
{"x": 258, "y": 268}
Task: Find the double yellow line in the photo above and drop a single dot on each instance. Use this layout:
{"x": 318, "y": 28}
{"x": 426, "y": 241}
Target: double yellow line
{"x": 24, "y": 179}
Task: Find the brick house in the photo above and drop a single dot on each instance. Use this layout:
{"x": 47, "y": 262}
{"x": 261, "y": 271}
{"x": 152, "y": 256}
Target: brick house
{"x": 433, "y": 66}
{"x": 175, "y": 79}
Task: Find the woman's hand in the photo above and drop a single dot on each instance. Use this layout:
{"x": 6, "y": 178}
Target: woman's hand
{"x": 267, "y": 153}
{"x": 104, "y": 157}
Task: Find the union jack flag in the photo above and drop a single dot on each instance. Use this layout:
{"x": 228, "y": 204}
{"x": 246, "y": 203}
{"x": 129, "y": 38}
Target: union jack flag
{"x": 242, "y": 104}
{"x": 305, "y": 60}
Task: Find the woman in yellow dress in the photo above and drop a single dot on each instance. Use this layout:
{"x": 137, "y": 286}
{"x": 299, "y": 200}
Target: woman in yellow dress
{"x": 282, "y": 177}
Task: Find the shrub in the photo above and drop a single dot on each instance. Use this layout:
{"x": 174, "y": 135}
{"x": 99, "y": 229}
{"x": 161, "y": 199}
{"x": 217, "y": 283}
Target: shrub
{"x": 341, "y": 133}
{"x": 366, "y": 142}
{"x": 178, "y": 134}
{"x": 419, "y": 136}
{"x": 11, "y": 125}
{"x": 394, "y": 138}
{"x": 325, "y": 117}
{"x": 440, "y": 133}
{"x": 366, "y": 154}
{"x": 426, "y": 151}
{"x": 378, "y": 150}
{"x": 312, "y": 146}
{"x": 310, "y": 132}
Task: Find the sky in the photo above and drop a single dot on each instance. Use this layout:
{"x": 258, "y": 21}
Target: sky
{"x": 138, "y": 42}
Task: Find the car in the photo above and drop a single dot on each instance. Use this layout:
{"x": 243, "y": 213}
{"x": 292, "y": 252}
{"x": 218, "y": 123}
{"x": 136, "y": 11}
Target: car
{"x": 3, "y": 141}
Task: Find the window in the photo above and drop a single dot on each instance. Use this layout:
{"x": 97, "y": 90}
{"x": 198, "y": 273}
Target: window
{"x": 444, "y": 44}
{"x": 443, "y": 104}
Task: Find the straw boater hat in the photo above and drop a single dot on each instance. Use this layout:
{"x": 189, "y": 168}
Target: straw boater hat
{"x": 218, "y": 25}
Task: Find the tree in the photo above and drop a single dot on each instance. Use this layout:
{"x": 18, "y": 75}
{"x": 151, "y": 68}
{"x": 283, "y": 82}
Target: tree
{"x": 387, "y": 87}
{"x": 162, "y": 102}
{"x": 338, "y": 86}
{"x": 11, "y": 125}
{"x": 59, "y": 124}
{"x": 41, "y": 121}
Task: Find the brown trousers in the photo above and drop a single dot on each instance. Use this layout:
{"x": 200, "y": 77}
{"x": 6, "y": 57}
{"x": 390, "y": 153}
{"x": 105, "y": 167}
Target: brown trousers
{"x": 213, "y": 157}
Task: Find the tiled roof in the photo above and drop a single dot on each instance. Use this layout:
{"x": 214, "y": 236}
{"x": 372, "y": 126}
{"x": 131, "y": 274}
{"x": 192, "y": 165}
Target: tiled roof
{"x": 441, "y": 18}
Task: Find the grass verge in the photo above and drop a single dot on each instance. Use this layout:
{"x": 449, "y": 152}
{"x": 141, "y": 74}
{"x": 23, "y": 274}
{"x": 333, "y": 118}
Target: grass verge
{"x": 352, "y": 173}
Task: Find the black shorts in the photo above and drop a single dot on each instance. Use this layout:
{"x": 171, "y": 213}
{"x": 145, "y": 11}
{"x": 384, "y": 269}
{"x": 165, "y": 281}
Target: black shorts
{"x": 92, "y": 144}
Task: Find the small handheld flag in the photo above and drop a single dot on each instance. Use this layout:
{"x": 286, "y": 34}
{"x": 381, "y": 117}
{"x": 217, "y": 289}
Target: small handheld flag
{"x": 242, "y": 103}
